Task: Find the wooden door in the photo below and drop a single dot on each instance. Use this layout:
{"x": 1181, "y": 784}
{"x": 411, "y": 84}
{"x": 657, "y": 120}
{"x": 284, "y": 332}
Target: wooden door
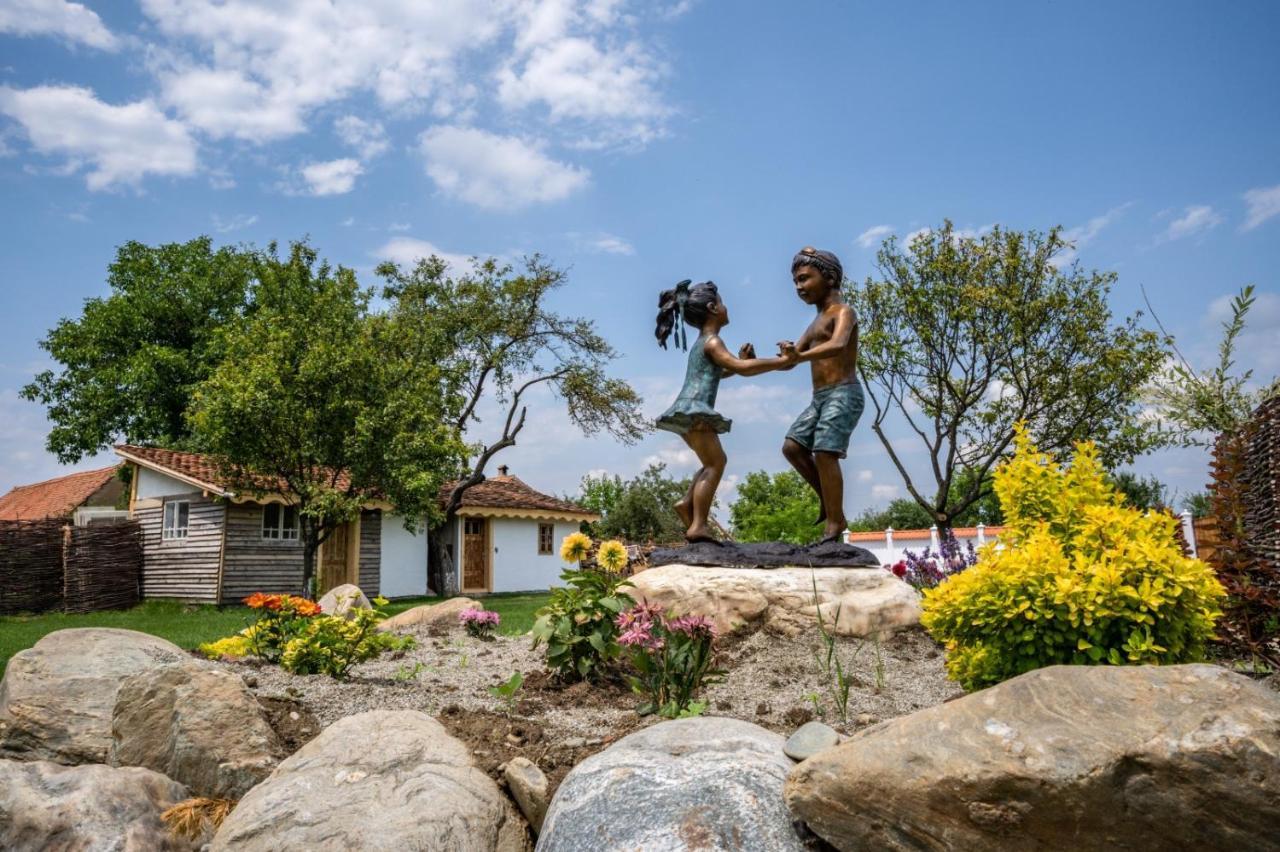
{"x": 333, "y": 560}
{"x": 475, "y": 555}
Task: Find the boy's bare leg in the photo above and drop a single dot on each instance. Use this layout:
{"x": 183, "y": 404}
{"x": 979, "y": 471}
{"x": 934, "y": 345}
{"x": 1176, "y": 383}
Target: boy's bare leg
{"x": 832, "y": 491}
{"x": 802, "y": 460}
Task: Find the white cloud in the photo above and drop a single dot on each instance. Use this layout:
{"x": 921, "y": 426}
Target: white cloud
{"x": 1263, "y": 203}
{"x": 118, "y": 144}
{"x": 865, "y": 476}
{"x": 749, "y": 402}
{"x": 1082, "y": 235}
{"x": 676, "y": 456}
{"x": 73, "y": 22}
{"x": 1196, "y": 219}
{"x": 873, "y": 235}
{"x": 348, "y": 222}
{"x": 399, "y": 226}
{"x": 603, "y": 243}
{"x": 914, "y": 235}
{"x": 334, "y": 177}
{"x": 496, "y": 172}
{"x": 235, "y": 223}
{"x": 407, "y": 251}
{"x": 1256, "y": 347}
{"x": 369, "y": 138}
{"x": 885, "y": 492}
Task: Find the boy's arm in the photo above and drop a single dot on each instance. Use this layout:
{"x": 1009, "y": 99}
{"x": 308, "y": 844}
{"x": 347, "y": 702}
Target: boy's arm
{"x": 845, "y": 326}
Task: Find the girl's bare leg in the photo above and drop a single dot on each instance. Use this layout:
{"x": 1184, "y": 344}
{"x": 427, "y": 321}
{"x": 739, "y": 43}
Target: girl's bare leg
{"x": 684, "y": 508}
{"x": 706, "y": 444}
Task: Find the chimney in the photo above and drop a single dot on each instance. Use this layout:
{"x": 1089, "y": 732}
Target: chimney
{"x": 503, "y": 469}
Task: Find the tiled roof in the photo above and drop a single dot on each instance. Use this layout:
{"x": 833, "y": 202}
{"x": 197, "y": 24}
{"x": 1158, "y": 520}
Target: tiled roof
{"x": 53, "y": 498}
{"x": 510, "y": 492}
{"x": 201, "y": 469}
{"x": 899, "y": 535}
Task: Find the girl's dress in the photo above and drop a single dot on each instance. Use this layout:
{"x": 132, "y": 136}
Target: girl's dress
{"x": 695, "y": 406}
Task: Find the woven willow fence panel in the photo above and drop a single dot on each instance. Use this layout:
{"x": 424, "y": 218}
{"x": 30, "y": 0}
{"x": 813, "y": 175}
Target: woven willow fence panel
{"x": 50, "y": 565}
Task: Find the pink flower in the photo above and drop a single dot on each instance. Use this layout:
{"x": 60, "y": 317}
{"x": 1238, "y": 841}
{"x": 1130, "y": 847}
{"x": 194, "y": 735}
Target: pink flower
{"x": 693, "y": 625}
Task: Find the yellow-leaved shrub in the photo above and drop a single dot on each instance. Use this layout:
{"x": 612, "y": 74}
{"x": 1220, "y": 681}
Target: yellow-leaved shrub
{"x": 1075, "y": 578}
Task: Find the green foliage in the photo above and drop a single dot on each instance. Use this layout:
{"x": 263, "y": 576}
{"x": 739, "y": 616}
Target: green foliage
{"x": 281, "y": 618}
{"x": 332, "y": 644}
{"x": 963, "y": 336}
{"x": 1140, "y": 492}
{"x": 313, "y": 384}
{"x": 577, "y": 623}
{"x": 229, "y": 646}
{"x": 906, "y": 514}
{"x": 1078, "y": 578}
{"x": 1196, "y": 407}
{"x": 506, "y": 692}
{"x": 1199, "y": 504}
{"x": 150, "y": 342}
{"x": 673, "y": 659}
{"x": 636, "y": 510}
{"x": 781, "y": 507}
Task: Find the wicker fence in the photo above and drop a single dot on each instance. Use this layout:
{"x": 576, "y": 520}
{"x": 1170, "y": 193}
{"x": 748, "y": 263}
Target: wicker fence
{"x": 1262, "y": 484}
{"x": 51, "y": 565}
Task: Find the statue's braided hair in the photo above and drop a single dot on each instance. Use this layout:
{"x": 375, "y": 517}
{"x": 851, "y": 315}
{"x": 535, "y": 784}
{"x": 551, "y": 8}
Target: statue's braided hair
{"x": 823, "y": 261}
{"x": 690, "y": 303}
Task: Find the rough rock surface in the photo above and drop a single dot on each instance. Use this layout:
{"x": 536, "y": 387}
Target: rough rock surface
{"x": 766, "y": 554}
{"x": 869, "y": 600}
{"x": 528, "y": 786}
{"x": 687, "y": 784}
{"x": 340, "y": 600}
{"x": 92, "y": 808}
{"x": 200, "y": 726}
{"x": 57, "y": 697}
{"x": 382, "y": 780}
{"x": 809, "y": 739}
{"x": 1090, "y": 757}
{"x": 442, "y": 615}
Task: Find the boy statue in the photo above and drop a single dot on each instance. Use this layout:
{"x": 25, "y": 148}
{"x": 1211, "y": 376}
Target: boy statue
{"x": 820, "y": 436}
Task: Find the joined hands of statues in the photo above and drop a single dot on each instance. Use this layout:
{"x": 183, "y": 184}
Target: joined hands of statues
{"x": 747, "y": 352}
{"x": 787, "y": 352}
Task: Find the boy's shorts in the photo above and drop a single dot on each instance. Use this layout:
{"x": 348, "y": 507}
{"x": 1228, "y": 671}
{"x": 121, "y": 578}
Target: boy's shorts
{"x": 825, "y": 426}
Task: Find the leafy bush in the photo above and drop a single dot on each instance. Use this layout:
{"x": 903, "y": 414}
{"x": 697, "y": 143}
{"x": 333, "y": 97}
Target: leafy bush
{"x": 672, "y": 657}
{"x": 479, "y": 623}
{"x": 332, "y": 644}
{"x": 280, "y": 619}
{"x": 577, "y": 624}
{"x": 928, "y": 569}
{"x": 1076, "y": 578}
{"x": 230, "y": 646}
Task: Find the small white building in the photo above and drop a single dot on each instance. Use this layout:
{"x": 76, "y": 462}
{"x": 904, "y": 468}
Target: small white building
{"x": 506, "y": 536}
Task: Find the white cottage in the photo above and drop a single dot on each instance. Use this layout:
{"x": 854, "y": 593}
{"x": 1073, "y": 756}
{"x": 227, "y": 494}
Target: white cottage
{"x": 506, "y": 537}
{"x": 204, "y": 542}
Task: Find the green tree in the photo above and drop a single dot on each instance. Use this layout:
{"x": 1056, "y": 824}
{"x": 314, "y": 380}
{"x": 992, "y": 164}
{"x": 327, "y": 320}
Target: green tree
{"x": 1141, "y": 492}
{"x": 965, "y": 336}
{"x": 599, "y": 493}
{"x": 778, "y": 507}
{"x": 1195, "y": 407}
{"x": 320, "y": 401}
{"x": 129, "y": 363}
{"x": 1198, "y": 504}
{"x": 906, "y": 514}
{"x": 490, "y": 333}
{"x": 638, "y": 509}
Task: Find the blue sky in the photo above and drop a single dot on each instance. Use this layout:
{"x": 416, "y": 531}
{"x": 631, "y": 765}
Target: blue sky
{"x": 637, "y": 144}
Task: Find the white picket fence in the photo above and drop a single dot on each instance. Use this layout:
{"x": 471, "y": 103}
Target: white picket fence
{"x": 891, "y": 545}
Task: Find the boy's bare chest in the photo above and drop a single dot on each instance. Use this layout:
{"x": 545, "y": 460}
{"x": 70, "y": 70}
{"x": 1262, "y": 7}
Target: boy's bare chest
{"x": 819, "y": 331}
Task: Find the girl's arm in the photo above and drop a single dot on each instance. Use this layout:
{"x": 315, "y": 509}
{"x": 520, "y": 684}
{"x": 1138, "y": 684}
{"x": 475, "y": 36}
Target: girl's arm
{"x": 722, "y": 358}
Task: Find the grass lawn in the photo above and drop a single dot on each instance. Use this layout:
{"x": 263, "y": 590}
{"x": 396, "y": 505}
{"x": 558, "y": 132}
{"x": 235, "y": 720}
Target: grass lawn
{"x": 188, "y": 626}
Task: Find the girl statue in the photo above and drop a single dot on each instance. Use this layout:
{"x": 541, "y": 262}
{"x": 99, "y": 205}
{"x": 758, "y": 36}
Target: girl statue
{"x": 693, "y": 415}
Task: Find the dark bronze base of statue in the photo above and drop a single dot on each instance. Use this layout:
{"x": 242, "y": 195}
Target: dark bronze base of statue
{"x": 766, "y": 554}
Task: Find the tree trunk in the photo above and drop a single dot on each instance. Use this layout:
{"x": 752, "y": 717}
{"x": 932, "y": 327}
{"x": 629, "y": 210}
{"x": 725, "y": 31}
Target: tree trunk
{"x": 310, "y": 545}
{"x": 441, "y": 570}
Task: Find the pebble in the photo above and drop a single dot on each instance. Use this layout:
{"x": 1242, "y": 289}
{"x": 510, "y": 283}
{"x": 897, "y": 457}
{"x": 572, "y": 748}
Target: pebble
{"x": 866, "y": 719}
{"x": 809, "y": 739}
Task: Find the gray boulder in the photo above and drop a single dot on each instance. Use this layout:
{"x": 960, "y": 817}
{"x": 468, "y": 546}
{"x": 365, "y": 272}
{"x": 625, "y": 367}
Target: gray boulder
{"x": 341, "y": 600}
{"x": 687, "y": 784}
{"x": 809, "y": 739}
{"x": 528, "y": 786}
{"x": 57, "y": 697}
{"x": 91, "y": 808}
{"x": 200, "y": 726}
{"x": 1090, "y": 757}
{"x": 382, "y": 780}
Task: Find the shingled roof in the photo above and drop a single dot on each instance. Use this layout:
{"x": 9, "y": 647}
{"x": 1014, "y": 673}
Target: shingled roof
{"x": 199, "y": 469}
{"x": 511, "y": 493}
{"x": 53, "y": 498}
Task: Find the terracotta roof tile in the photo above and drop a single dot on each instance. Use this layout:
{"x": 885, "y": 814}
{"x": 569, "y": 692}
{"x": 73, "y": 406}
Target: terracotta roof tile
{"x": 900, "y": 535}
{"x": 202, "y": 468}
{"x": 511, "y": 492}
{"x": 53, "y": 498}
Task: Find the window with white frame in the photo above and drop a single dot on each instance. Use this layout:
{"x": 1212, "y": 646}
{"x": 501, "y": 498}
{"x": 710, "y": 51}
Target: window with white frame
{"x": 280, "y": 522}
{"x": 177, "y": 514}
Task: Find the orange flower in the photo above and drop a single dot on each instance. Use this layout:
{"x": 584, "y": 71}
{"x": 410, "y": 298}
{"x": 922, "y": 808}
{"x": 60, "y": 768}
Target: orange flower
{"x": 257, "y": 600}
{"x": 305, "y": 607}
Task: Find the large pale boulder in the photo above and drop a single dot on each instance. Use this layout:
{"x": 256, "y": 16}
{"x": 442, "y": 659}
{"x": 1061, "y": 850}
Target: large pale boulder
{"x": 89, "y": 808}
{"x": 200, "y": 726}
{"x": 341, "y": 600}
{"x": 687, "y": 784}
{"x": 867, "y": 600}
{"x": 442, "y": 615}
{"x": 381, "y": 780}
{"x": 57, "y": 697}
{"x": 1085, "y": 757}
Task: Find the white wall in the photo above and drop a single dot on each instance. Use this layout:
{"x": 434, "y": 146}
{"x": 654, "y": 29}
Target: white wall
{"x": 153, "y": 484}
{"x": 404, "y": 559}
{"x": 892, "y": 545}
{"x": 517, "y": 565}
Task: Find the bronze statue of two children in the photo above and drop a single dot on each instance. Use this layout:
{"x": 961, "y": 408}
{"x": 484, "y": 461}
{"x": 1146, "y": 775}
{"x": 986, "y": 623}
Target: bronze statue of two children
{"x": 819, "y": 438}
